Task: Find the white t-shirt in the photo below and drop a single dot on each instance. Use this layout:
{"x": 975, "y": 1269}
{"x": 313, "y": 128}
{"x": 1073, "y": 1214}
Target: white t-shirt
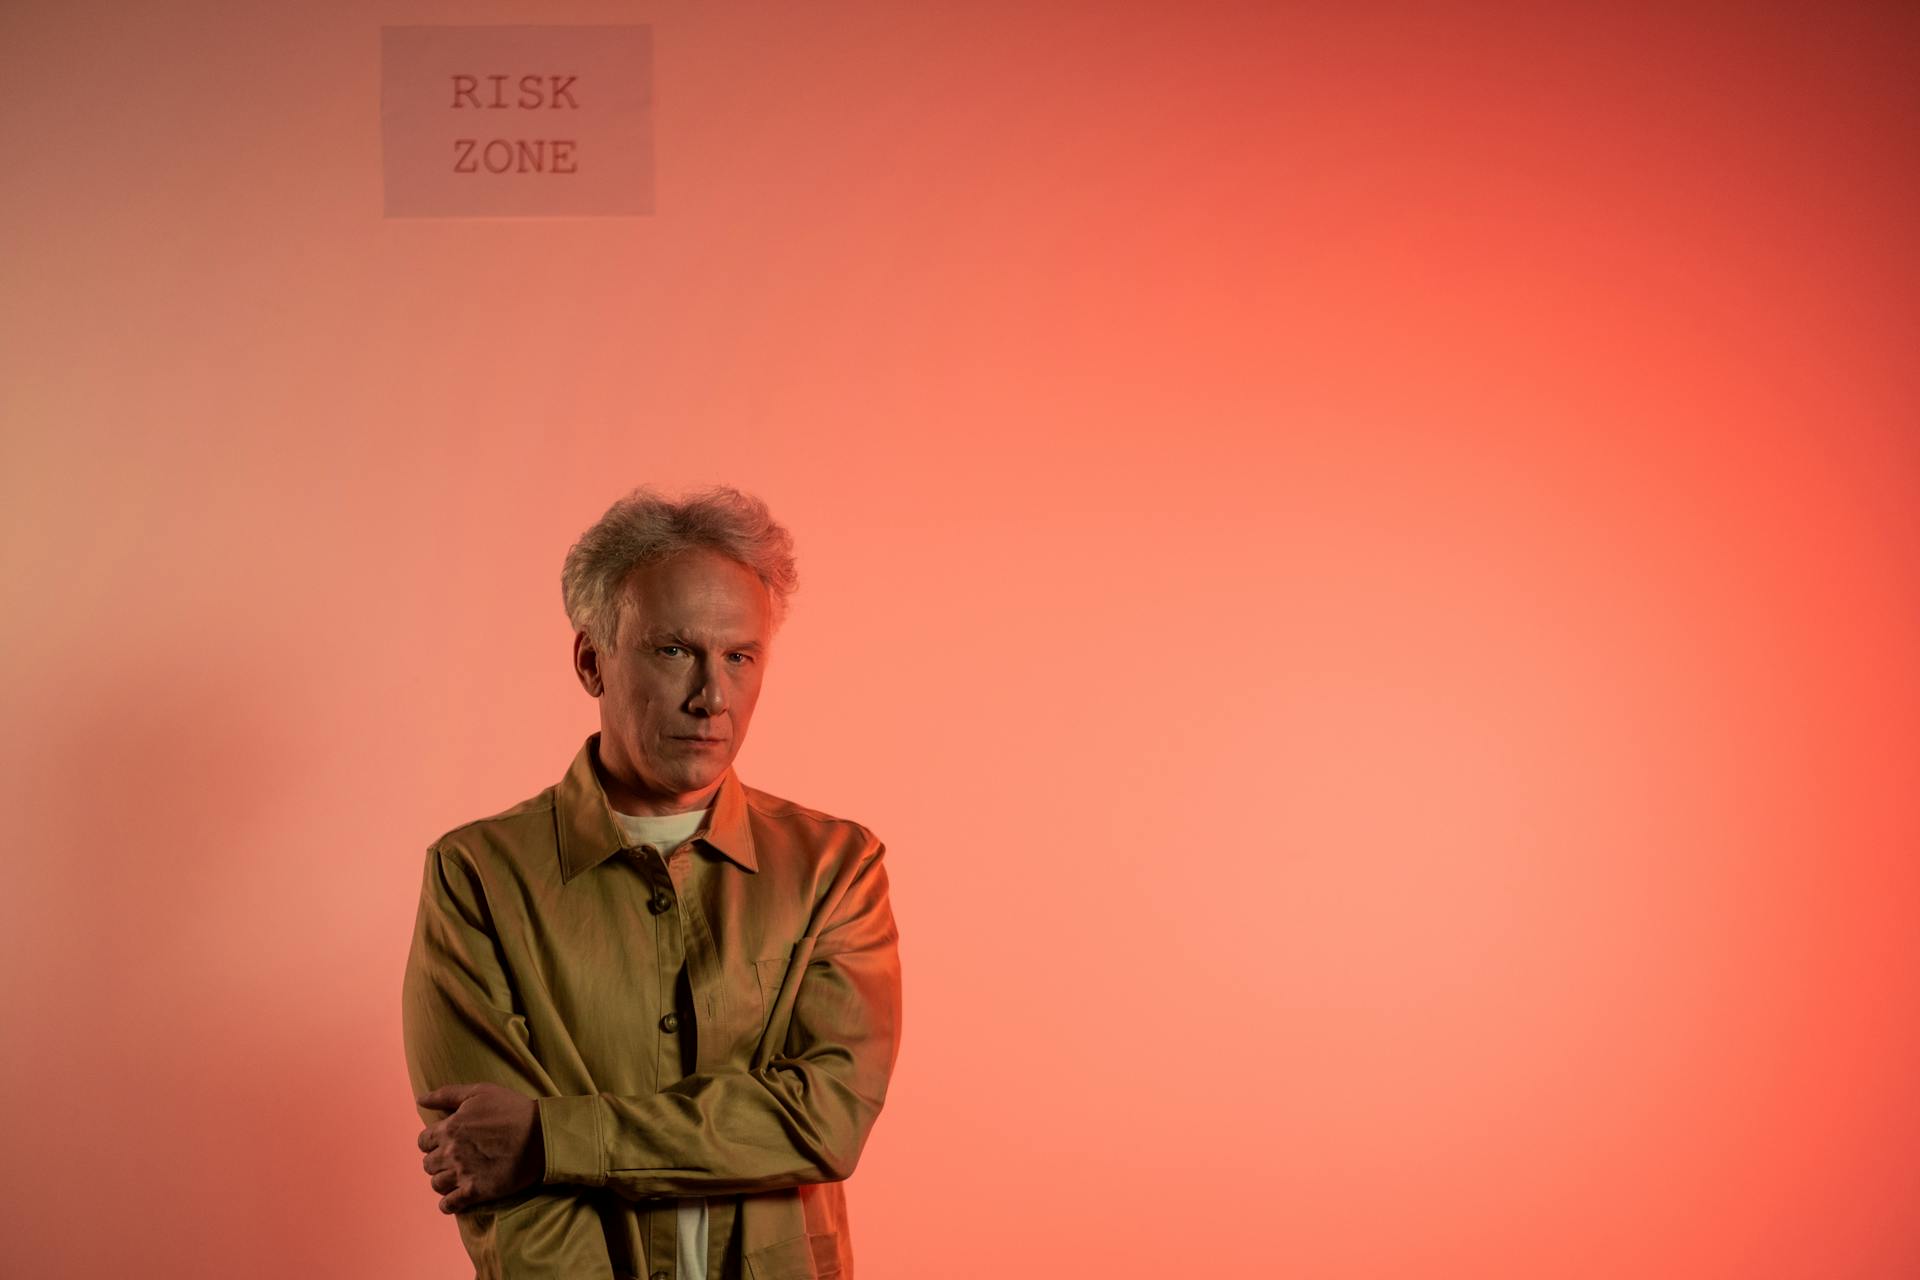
{"x": 666, "y": 833}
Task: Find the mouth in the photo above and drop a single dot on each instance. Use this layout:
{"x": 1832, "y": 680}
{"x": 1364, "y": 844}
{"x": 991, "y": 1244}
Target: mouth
{"x": 704, "y": 742}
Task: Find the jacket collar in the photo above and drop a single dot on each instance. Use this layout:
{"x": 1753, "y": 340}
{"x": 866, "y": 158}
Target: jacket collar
{"x": 589, "y": 836}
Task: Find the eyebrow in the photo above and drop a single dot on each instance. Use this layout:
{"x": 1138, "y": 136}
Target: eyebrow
{"x": 675, "y": 637}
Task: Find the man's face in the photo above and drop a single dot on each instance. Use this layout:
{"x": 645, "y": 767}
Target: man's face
{"x": 678, "y": 686}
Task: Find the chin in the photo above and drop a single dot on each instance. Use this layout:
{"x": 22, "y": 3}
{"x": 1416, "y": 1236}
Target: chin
{"x": 698, "y": 779}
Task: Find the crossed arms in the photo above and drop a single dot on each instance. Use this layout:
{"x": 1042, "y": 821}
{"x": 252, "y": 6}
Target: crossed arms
{"x": 799, "y": 1112}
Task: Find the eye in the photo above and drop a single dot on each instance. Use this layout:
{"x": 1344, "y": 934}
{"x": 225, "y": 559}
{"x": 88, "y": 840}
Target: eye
{"x": 745, "y": 658}
{"x": 668, "y": 649}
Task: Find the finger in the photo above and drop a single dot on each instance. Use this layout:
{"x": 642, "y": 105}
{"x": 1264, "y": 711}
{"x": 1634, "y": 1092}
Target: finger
{"x": 428, "y": 1140}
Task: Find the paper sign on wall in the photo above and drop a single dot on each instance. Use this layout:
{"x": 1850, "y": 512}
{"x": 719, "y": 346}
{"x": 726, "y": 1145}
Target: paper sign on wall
{"x": 516, "y": 122}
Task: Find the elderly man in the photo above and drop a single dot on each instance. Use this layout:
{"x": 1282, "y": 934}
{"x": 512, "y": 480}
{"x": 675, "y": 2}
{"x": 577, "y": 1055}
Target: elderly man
{"x": 650, "y": 1014}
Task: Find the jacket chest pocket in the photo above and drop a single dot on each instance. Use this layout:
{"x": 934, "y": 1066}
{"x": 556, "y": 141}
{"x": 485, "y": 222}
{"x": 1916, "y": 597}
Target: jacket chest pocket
{"x": 769, "y": 972}
{"x": 779, "y": 978}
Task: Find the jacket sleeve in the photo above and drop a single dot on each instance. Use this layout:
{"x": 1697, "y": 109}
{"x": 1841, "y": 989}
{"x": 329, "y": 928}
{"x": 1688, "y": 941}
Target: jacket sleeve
{"x": 803, "y": 1110}
{"x": 459, "y": 1026}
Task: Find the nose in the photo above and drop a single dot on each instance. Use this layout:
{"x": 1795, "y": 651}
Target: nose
{"x": 710, "y": 694}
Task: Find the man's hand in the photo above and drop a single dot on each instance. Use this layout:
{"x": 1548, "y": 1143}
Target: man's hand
{"x": 489, "y": 1147}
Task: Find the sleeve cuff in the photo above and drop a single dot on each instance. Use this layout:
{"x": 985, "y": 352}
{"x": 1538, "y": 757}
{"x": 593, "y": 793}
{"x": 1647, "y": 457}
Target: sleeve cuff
{"x": 570, "y": 1127}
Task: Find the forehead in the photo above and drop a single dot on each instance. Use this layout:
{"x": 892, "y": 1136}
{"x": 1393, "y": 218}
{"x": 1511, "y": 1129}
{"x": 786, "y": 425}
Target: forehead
{"x": 701, "y": 592}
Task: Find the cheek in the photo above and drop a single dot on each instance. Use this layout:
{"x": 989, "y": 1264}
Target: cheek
{"x": 745, "y": 698}
{"x": 634, "y": 708}
{"x": 654, "y": 713}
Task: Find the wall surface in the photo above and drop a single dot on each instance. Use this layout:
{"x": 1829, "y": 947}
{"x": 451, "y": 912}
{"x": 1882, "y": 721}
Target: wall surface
{"x": 1362, "y": 558}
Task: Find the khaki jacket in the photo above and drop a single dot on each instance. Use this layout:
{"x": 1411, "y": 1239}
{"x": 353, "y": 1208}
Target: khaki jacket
{"x": 720, "y": 1022}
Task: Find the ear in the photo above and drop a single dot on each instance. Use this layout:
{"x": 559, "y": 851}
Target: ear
{"x": 586, "y": 664}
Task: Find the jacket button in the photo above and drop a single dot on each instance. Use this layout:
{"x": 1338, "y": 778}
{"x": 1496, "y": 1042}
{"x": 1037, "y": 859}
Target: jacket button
{"x": 660, "y": 1275}
{"x": 660, "y": 902}
{"x": 670, "y": 1023}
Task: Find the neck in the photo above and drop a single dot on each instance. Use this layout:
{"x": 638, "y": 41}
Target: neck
{"x": 638, "y": 802}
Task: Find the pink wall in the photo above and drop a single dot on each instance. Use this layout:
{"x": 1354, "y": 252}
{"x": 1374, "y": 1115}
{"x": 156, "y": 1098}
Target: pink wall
{"x": 1361, "y": 558}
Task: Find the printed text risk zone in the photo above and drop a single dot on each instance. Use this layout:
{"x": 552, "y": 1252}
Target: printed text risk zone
{"x": 504, "y": 92}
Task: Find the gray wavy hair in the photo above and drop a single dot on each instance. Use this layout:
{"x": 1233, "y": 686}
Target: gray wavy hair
{"x": 645, "y": 527}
